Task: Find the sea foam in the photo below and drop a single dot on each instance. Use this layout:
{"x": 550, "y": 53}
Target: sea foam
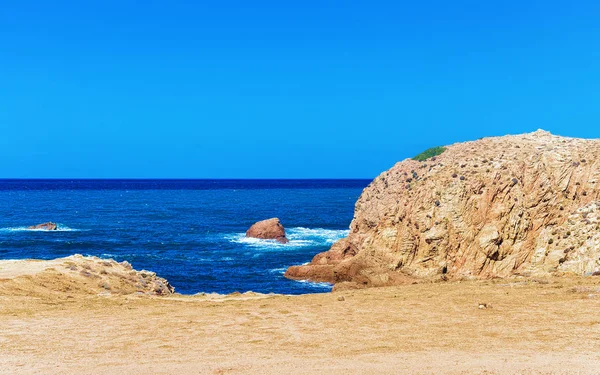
{"x": 299, "y": 237}
{"x": 325, "y": 286}
{"x": 59, "y": 228}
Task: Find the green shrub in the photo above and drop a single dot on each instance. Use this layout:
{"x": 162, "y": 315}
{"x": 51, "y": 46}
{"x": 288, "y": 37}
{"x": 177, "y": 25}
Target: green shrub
{"x": 429, "y": 153}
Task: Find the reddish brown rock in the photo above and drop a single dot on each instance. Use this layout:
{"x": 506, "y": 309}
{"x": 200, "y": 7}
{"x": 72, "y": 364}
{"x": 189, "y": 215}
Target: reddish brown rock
{"x": 322, "y": 265}
{"x": 270, "y": 229}
{"x": 44, "y": 226}
{"x": 311, "y": 272}
{"x": 528, "y": 205}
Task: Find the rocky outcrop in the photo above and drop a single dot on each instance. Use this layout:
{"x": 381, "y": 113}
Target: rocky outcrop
{"x": 44, "y": 226}
{"x": 270, "y": 229}
{"x": 514, "y": 205}
{"x": 78, "y": 275}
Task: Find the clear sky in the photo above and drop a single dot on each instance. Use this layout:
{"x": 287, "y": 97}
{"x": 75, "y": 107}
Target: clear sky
{"x": 283, "y": 89}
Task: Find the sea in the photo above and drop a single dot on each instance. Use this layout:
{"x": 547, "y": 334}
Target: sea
{"x": 191, "y": 232}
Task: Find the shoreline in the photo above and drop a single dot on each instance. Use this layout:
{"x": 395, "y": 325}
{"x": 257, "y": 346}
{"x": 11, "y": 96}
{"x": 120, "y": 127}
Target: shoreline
{"x": 302, "y": 240}
{"x": 28, "y": 268}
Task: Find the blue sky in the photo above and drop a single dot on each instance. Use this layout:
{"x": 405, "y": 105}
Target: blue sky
{"x": 281, "y": 89}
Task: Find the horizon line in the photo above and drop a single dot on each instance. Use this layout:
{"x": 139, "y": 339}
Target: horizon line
{"x": 178, "y": 178}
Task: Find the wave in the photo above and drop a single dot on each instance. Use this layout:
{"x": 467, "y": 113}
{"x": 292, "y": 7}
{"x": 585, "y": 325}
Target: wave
{"x": 308, "y": 283}
{"x": 312, "y": 284}
{"x": 299, "y": 237}
{"x": 191, "y": 257}
{"x": 324, "y": 236}
{"x": 278, "y": 271}
{"x": 59, "y": 228}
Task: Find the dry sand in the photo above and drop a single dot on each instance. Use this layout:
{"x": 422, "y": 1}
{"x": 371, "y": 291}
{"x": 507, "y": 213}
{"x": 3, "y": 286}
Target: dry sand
{"x": 532, "y": 327}
{"x": 13, "y": 268}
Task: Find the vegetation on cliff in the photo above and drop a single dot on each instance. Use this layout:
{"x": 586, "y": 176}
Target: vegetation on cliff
{"x": 429, "y": 153}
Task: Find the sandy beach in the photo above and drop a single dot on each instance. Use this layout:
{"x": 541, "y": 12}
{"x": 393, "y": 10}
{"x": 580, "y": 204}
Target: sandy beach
{"x": 545, "y": 326}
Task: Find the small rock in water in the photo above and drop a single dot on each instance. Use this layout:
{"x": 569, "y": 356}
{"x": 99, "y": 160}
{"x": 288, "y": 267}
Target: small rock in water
{"x": 44, "y": 226}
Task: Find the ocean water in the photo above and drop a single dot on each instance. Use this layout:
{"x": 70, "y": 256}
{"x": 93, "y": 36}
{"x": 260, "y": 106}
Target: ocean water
{"x": 191, "y": 232}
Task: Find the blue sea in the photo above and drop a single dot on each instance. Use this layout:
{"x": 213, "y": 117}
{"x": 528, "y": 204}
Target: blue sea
{"x": 191, "y": 232}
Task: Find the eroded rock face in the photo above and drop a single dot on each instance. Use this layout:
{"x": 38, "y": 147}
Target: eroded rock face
{"x": 268, "y": 229}
{"x": 44, "y": 226}
{"x": 496, "y": 207}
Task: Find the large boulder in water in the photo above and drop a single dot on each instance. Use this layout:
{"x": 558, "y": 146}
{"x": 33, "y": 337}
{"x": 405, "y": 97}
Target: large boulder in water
{"x": 270, "y": 229}
{"x": 44, "y": 226}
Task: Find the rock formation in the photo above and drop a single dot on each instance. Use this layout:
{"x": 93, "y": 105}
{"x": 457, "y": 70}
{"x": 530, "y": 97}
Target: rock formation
{"x": 268, "y": 229}
{"x": 496, "y": 207}
{"x": 44, "y": 226}
{"x": 77, "y": 275}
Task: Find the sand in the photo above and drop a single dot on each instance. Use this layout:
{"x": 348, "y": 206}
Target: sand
{"x": 549, "y": 326}
{"x": 13, "y": 268}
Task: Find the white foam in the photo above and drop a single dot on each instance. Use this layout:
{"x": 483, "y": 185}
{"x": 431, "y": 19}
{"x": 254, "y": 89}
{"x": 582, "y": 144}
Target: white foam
{"x": 59, "y": 228}
{"x": 299, "y": 237}
{"x": 316, "y": 285}
{"x": 279, "y": 271}
{"x": 320, "y": 235}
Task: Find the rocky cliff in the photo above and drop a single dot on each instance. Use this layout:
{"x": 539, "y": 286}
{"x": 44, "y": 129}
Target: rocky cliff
{"x": 496, "y": 207}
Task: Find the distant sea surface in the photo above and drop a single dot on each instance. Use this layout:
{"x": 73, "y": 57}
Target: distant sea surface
{"x": 191, "y": 232}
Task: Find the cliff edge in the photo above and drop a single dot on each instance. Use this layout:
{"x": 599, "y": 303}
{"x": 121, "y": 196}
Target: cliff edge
{"x": 502, "y": 206}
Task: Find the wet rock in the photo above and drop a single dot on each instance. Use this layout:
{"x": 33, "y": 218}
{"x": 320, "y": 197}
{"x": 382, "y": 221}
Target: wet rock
{"x": 44, "y": 226}
{"x": 270, "y": 229}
